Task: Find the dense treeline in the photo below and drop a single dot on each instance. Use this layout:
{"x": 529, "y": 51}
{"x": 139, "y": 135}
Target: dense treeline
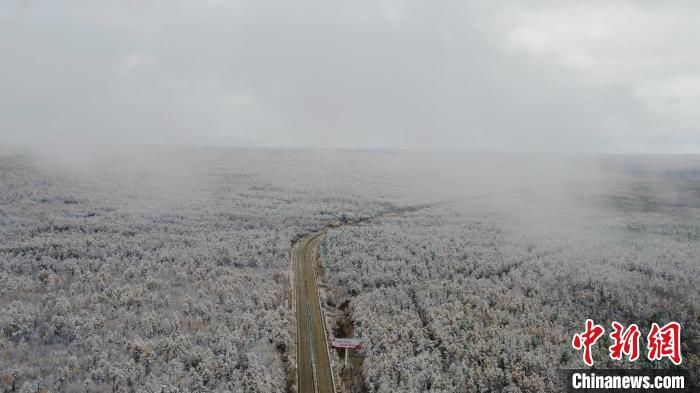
{"x": 465, "y": 299}
{"x": 175, "y": 282}
{"x": 169, "y": 271}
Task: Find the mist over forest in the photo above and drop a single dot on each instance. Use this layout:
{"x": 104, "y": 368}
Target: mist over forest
{"x": 162, "y": 268}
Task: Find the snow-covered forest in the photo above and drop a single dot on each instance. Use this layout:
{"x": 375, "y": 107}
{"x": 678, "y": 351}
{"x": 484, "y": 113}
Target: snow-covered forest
{"x": 484, "y": 295}
{"x": 130, "y": 275}
{"x": 167, "y": 269}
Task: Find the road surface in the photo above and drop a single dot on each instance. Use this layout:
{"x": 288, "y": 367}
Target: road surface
{"x": 314, "y": 373}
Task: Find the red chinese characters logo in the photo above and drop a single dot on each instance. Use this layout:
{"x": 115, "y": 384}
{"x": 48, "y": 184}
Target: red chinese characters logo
{"x": 665, "y": 342}
{"x": 662, "y": 342}
{"x": 625, "y": 342}
{"x": 586, "y": 340}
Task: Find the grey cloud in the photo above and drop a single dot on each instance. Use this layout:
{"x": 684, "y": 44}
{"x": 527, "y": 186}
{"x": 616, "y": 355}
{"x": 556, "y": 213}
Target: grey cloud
{"x": 351, "y": 74}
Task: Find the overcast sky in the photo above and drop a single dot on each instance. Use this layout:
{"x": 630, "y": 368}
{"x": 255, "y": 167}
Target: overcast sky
{"x": 584, "y": 76}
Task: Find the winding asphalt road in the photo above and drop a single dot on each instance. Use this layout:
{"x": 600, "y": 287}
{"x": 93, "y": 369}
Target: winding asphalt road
{"x": 314, "y": 373}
